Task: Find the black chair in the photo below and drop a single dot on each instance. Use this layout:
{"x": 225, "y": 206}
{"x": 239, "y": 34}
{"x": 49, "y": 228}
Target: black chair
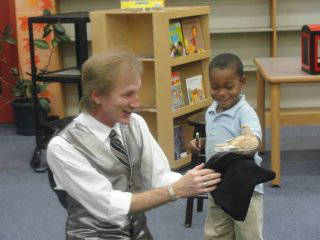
{"x": 198, "y": 122}
{"x": 57, "y": 126}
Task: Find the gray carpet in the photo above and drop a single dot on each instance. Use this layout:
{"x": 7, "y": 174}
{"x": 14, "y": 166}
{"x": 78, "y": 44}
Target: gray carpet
{"x": 30, "y": 211}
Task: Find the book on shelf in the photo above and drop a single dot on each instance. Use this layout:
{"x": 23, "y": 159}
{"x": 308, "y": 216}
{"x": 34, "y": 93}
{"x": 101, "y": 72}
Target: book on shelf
{"x": 176, "y": 39}
{"x": 142, "y": 4}
{"x": 179, "y": 144}
{"x": 195, "y": 89}
{"x": 176, "y": 91}
{"x": 192, "y": 34}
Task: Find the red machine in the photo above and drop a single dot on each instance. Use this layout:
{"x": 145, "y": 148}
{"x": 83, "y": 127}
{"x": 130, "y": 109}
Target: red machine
{"x": 310, "y": 48}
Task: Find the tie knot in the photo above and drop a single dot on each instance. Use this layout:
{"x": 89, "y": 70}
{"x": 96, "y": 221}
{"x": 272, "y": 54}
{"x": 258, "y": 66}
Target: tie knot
{"x": 113, "y": 134}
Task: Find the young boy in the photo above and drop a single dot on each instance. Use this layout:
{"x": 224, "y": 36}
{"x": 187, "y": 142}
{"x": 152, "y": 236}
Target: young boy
{"x": 224, "y": 120}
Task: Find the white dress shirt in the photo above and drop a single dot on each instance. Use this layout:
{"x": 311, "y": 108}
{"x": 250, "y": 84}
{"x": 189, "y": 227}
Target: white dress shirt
{"x": 74, "y": 174}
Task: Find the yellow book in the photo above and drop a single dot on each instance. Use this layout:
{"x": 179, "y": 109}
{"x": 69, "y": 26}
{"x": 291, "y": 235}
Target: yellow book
{"x": 140, "y": 4}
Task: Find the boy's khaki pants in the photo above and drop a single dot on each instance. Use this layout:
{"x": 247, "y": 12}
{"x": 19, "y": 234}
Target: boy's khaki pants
{"x": 220, "y": 226}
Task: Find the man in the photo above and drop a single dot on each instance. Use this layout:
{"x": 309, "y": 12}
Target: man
{"x": 107, "y": 161}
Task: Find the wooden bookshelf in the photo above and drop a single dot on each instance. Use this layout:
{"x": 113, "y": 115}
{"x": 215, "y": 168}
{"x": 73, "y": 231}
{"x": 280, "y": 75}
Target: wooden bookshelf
{"x": 248, "y": 28}
{"x": 147, "y": 34}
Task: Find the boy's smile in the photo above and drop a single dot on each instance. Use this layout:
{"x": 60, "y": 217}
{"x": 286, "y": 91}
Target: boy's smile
{"x": 226, "y": 87}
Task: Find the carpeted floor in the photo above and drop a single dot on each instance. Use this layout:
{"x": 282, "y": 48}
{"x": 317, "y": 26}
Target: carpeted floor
{"x": 30, "y": 211}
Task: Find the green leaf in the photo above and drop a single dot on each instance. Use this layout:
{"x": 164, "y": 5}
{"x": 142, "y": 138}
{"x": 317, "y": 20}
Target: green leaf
{"x": 10, "y": 40}
{"x": 63, "y": 37}
{"x": 19, "y": 90}
{"x": 16, "y": 92}
{"x": 58, "y": 28}
{"x": 46, "y": 30}
{"x": 14, "y": 71}
{"x": 58, "y": 40}
{"x": 37, "y": 88}
{"x": 46, "y": 12}
{"x": 45, "y": 105}
{"x": 7, "y": 30}
{"x": 42, "y": 44}
{"x": 41, "y": 87}
{"x": 54, "y": 42}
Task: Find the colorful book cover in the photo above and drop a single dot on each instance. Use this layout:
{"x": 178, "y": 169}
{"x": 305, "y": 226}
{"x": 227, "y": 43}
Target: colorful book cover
{"x": 179, "y": 144}
{"x": 192, "y": 33}
{"x": 195, "y": 89}
{"x": 176, "y": 91}
{"x": 176, "y": 40}
{"x": 140, "y": 4}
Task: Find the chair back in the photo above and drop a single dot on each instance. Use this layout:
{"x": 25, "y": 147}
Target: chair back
{"x": 60, "y": 193}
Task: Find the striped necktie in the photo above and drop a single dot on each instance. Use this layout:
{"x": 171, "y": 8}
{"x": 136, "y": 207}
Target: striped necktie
{"x": 118, "y": 149}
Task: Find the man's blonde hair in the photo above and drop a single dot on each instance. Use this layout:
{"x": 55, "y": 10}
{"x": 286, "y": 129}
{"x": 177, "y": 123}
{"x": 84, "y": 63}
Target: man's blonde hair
{"x": 100, "y": 73}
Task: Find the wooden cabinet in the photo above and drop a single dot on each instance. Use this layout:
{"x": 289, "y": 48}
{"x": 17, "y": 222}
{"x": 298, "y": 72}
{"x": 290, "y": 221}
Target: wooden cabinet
{"x": 147, "y": 35}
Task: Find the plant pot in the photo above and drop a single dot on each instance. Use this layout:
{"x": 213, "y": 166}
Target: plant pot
{"x": 24, "y": 118}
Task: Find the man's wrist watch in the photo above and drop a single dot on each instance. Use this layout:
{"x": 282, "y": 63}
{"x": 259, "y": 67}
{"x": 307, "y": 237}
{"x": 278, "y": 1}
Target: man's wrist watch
{"x": 172, "y": 194}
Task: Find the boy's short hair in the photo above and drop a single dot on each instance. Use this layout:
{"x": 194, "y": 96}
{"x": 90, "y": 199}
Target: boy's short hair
{"x": 227, "y": 60}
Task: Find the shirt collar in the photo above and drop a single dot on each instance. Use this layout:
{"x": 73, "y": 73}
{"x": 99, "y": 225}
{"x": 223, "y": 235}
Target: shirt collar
{"x": 231, "y": 111}
{"x": 100, "y": 130}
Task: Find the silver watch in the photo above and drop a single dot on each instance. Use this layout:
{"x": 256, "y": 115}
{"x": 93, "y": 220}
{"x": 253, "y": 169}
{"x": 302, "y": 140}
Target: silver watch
{"x": 172, "y": 194}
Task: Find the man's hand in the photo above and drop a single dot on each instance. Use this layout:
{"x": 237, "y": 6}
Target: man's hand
{"x": 196, "y": 181}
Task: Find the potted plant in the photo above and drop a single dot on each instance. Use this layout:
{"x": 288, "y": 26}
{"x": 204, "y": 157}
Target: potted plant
{"x": 22, "y": 102}
{"x": 22, "y": 89}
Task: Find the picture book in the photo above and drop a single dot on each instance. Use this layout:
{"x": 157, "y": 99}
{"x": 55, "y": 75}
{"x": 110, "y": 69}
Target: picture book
{"x": 179, "y": 144}
{"x": 192, "y": 33}
{"x": 176, "y": 40}
{"x": 140, "y": 4}
{"x": 195, "y": 89}
{"x": 176, "y": 91}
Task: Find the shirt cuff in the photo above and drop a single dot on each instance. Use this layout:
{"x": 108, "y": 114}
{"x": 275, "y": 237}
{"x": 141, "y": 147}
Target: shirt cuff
{"x": 120, "y": 203}
{"x": 169, "y": 178}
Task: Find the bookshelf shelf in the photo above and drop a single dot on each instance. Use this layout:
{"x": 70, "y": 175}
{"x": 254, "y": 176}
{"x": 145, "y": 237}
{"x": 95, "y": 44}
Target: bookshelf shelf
{"x": 288, "y": 28}
{"x": 147, "y": 36}
{"x": 68, "y": 75}
{"x": 148, "y": 109}
{"x": 146, "y": 59}
{"x": 183, "y": 12}
{"x": 189, "y": 58}
{"x": 181, "y": 162}
{"x": 191, "y": 108}
{"x": 239, "y": 30}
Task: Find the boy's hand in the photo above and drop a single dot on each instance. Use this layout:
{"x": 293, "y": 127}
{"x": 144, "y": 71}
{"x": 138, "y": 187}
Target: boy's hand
{"x": 194, "y": 147}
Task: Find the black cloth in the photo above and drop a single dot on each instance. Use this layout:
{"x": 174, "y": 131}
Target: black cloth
{"x": 240, "y": 175}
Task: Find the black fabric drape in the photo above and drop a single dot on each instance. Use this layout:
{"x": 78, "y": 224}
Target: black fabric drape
{"x": 240, "y": 175}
